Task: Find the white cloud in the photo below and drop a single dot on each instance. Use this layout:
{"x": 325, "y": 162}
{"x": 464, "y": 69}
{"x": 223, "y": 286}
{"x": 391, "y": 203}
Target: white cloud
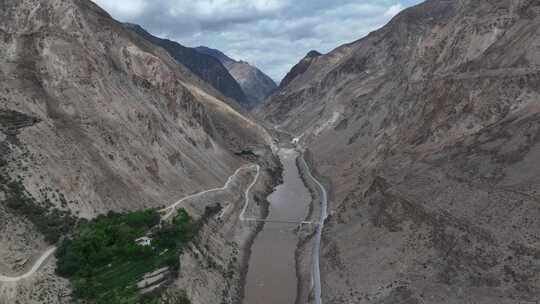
{"x": 394, "y": 10}
{"x": 272, "y": 34}
{"x": 123, "y": 9}
{"x": 223, "y": 9}
{"x": 269, "y": 5}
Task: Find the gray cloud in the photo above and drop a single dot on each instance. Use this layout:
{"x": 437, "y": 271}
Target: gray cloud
{"x": 271, "y": 34}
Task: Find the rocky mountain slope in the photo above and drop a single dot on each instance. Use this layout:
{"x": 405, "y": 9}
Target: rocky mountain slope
{"x": 206, "y": 67}
{"x": 94, "y": 118}
{"x": 253, "y": 81}
{"x": 299, "y": 68}
{"x": 427, "y": 132}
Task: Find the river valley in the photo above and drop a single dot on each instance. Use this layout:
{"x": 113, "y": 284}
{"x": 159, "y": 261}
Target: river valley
{"x": 272, "y": 274}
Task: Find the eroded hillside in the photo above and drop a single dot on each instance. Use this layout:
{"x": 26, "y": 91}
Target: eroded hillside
{"x": 94, "y": 118}
{"x": 427, "y": 131}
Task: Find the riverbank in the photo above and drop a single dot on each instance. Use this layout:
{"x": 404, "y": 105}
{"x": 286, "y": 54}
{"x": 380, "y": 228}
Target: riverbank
{"x": 272, "y": 276}
{"x": 276, "y": 178}
{"x": 308, "y": 250}
{"x": 214, "y": 269}
{"x": 304, "y": 250}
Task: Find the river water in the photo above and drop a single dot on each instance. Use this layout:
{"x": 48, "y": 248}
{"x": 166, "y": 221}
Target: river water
{"x": 271, "y": 277}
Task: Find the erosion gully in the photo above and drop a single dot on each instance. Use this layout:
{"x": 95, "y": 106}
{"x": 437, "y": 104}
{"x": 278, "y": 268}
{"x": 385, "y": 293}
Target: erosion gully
{"x": 271, "y": 276}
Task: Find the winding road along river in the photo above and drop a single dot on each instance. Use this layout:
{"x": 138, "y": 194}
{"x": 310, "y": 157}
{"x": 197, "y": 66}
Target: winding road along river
{"x": 271, "y": 276}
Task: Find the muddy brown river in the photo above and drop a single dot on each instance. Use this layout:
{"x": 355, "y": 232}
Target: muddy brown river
{"x": 271, "y": 277}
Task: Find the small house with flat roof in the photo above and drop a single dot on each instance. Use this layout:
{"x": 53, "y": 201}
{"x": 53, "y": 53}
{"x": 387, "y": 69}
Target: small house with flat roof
{"x": 144, "y": 241}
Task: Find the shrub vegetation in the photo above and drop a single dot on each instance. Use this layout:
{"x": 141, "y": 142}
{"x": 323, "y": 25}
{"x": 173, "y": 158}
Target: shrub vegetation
{"x": 104, "y": 262}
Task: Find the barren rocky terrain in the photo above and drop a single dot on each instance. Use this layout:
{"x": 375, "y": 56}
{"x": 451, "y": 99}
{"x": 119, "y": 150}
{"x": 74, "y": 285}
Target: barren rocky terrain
{"x": 93, "y": 119}
{"x": 426, "y": 132}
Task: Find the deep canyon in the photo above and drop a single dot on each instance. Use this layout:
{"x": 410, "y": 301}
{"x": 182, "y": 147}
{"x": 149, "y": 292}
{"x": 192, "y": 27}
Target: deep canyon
{"x": 398, "y": 168}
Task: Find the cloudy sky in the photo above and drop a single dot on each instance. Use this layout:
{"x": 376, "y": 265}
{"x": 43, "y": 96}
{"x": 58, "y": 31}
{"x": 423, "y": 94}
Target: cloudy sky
{"x": 271, "y": 34}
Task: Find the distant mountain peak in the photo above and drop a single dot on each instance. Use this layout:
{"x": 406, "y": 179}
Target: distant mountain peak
{"x": 134, "y": 26}
{"x": 253, "y": 81}
{"x": 205, "y": 66}
{"x": 313, "y": 53}
{"x": 300, "y": 68}
{"x": 219, "y": 55}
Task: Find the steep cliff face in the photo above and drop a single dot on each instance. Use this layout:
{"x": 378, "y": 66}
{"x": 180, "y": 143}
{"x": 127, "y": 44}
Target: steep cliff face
{"x": 206, "y": 67}
{"x": 427, "y": 131}
{"x": 253, "y": 81}
{"x": 94, "y": 118}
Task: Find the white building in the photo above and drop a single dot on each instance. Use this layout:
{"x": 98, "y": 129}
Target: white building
{"x": 144, "y": 241}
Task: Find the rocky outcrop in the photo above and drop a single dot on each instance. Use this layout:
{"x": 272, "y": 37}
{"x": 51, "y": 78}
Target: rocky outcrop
{"x": 253, "y": 81}
{"x": 427, "y": 130}
{"x": 206, "y": 67}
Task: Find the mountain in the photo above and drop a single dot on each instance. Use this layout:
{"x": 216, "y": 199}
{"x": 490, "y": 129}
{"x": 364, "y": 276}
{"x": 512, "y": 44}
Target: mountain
{"x": 219, "y": 55}
{"x": 299, "y": 69}
{"x": 253, "y": 81}
{"x": 206, "y": 67}
{"x": 93, "y": 119}
{"x": 427, "y": 134}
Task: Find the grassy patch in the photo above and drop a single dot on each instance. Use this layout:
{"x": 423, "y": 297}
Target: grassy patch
{"x": 104, "y": 262}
